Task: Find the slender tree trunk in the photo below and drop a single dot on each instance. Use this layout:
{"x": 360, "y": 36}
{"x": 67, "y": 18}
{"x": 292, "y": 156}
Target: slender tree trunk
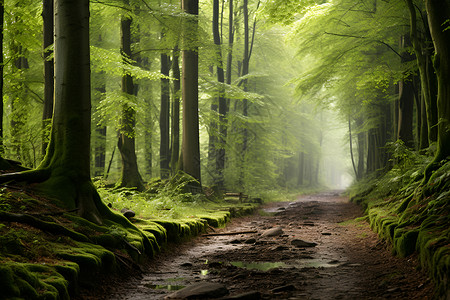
{"x": 425, "y": 80}
{"x": 361, "y": 148}
{"x": 230, "y": 44}
{"x": 47, "y": 16}
{"x": 301, "y": 166}
{"x": 191, "y": 140}
{"x": 99, "y": 139}
{"x": 371, "y": 152}
{"x": 245, "y": 70}
{"x": 438, "y": 16}
{"x": 130, "y": 177}
{"x": 351, "y": 147}
{"x": 406, "y": 99}
{"x": 164, "y": 119}
{"x": 175, "y": 132}
{"x": 220, "y": 152}
{"x": 424, "y": 141}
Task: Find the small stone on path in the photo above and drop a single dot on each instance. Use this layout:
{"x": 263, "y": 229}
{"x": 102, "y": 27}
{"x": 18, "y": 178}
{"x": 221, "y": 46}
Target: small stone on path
{"x": 250, "y": 241}
{"x": 272, "y": 232}
{"x": 201, "y": 290}
{"x": 302, "y": 243}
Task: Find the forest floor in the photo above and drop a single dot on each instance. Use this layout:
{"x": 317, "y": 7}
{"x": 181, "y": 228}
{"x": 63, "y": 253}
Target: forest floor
{"x": 312, "y": 248}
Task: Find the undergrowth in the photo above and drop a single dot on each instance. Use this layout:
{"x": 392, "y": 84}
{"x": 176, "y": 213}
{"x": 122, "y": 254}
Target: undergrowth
{"x": 411, "y": 215}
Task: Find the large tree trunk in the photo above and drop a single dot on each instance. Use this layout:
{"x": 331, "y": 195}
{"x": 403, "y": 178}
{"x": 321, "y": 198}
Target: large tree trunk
{"x": 191, "y": 141}
{"x": 66, "y": 165}
{"x": 438, "y": 16}
{"x": 130, "y": 177}
{"x": 47, "y": 16}
{"x": 164, "y": 146}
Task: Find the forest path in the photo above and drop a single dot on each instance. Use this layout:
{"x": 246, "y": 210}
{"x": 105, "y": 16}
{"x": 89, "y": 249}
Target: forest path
{"x": 322, "y": 253}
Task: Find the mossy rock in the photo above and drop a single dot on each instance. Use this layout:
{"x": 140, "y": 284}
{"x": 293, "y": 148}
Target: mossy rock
{"x": 405, "y": 241}
{"x": 217, "y": 219}
{"x": 32, "y": 281}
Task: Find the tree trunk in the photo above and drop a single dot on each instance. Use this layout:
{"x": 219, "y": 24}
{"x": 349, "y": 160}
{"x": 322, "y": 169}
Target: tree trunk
{"x": 99, "y": 139}
{"x": 361, "y": 148}
{"x": 130, "y": 177}
{"x": 164, "y": 146}
{"x": 230, "y": 45}
{"x": 47, "y": 16}
{"x": 438, "y": 16}
{"x": 351, "y": 147}
{"x": 425, "y": 79}
{"x": 245, "y": 70}
{"x": 220, "y": 152}
{"x": 371, "y": 152}
{"x": 423, "y": 141}
{"x": 175, "y": 133}
{"x": 406, "y": 99}
{"x": 67, "y": 162}
{"x": 301, "y": 166}
{"x": 191, "y": 141}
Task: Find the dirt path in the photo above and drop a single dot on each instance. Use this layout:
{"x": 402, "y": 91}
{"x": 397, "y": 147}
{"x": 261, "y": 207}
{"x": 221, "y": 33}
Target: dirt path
{"x": 343, "y": 260}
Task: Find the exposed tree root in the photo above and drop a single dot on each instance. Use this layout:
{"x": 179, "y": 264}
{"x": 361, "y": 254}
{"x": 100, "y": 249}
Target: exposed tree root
{"x": 43, "y": 225}
{"x": 28, "y": 176}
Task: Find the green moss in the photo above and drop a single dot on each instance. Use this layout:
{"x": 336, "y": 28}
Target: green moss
{"x": 415, "y": 218}
{"x": 32, "y": 281}
{"x": 405, "y": 241}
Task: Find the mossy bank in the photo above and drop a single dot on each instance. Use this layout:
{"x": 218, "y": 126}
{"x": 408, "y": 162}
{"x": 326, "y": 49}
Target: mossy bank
{"x": 49, "y": 253}
{"x": 412, "y": 216}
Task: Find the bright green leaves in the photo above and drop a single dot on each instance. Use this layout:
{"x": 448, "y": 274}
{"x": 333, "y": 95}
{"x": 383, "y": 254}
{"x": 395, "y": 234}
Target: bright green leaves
{"x": 114, "y": 64}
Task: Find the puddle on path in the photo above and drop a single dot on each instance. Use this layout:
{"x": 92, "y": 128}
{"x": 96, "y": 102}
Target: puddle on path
{"x": 261, "y": 266}
{"x": 266, "y": 266}
{"x": 168, "y": 287}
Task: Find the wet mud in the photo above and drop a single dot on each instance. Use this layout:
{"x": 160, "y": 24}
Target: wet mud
{"x": 312, "y": 248}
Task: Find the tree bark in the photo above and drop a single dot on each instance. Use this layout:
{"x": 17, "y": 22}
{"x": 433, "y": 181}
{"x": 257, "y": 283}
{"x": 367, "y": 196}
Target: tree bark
{"x": 406, "y": 99}
{"x": 175, "y": 133}
{"x": 351, "y": 146}
{"x": 220, "y": 152}
{"x": 66, "y": 165}
{"x": 191, "y": 141}
{"x": 164, "y": 146}
{"x": 301, "y": 166}
{"x": 130, "y": 177}
{"x": 361, "y": 148}
{"x": 425, "y": 76}
{"x": 438, "y": 16}
{"x": 245, "y": 70}
{"x": 48, "y": 33}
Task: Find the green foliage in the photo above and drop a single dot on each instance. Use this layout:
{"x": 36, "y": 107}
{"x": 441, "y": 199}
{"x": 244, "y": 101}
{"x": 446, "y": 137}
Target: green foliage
{"x": 166, "y": 199}
{"x": 412, "y": 216}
